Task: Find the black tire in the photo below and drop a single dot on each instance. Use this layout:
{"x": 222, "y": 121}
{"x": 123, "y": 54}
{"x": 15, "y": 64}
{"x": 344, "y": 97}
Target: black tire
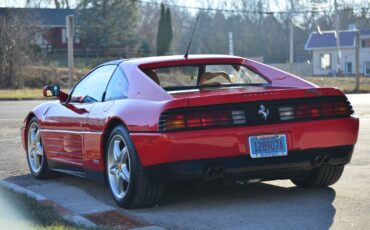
{"x": 44, "y": 172}
{"x": 320, "y": 177}
{"x": 140, "y": 191}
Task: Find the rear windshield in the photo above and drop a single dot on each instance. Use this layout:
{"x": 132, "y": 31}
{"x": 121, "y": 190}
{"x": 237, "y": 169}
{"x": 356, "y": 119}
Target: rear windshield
{"x": 202, "y": 76}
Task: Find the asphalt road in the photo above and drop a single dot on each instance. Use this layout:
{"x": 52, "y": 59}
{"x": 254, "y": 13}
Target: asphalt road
{"x": 272, "y": 205}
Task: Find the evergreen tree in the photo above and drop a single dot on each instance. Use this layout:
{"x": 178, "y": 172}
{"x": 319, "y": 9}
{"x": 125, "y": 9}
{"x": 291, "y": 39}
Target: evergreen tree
{"x": 169, "y": 28}
{"x": 165, "y": 34}
{"x": 161, "y": 32}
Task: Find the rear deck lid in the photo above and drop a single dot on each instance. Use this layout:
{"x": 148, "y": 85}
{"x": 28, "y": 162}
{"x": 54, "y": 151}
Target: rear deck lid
{"x": 203, "y": 97}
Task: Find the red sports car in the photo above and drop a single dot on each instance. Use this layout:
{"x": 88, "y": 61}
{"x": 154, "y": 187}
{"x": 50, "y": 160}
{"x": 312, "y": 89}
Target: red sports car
{"x": 139, "y": 124}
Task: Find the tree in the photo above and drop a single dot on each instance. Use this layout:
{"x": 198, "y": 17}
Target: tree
{"x": 17, "y": 31}
{"x": 147, "y": 31}
{"x": 107, "y": 23}
{"x": 47, "y": 3}
{"x": 169, "y": 31}
{"x": 164, "y": 34}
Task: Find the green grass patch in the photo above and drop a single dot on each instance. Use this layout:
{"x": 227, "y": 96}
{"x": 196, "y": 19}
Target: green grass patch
{"x": 21, "y": 212}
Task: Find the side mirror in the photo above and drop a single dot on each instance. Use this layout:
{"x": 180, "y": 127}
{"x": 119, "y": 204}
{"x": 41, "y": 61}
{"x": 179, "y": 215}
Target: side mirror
{"x": 51, "y": 91}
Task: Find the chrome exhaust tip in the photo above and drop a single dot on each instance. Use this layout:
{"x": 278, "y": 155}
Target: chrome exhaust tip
{"x": 318, "y": 160}
{"x": 326, "y": 159}
{"x": 219, "y": 171}
{"x": 211, "y": 171}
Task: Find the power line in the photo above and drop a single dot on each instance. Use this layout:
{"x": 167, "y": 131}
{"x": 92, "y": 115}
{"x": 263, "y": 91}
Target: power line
{"x": 248, "y": 11}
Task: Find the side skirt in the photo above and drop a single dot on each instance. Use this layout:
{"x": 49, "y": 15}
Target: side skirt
{"x": 74, "y": 170}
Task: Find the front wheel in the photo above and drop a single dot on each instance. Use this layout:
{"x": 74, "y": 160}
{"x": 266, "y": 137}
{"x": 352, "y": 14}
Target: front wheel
{"x": 127, "y": 181}
{"x": 320, "y": 177}
{"x": 36, "y": 157}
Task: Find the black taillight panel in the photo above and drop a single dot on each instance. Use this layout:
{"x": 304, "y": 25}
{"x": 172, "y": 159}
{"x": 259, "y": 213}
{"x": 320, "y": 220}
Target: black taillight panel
{"x": 256, "y": 113}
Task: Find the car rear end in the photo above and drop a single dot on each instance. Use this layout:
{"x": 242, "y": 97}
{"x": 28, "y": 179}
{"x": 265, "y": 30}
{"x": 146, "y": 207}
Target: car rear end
{"x": 237, "y": 119}
{"x": 250, "y": 135}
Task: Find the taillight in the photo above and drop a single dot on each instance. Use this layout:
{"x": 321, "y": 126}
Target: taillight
{"x": 215, "y": 118}
{"x": 176, "y": 122}
{"x": 198, "y": 119}
{"x": 341, "y": 108}
{"x": 238, "y": 117}
{"x": 287, "y": 113}
{"x": 328, "y": 109}
{"x": 315, "y": 111}
{"x": 193, "y": 120}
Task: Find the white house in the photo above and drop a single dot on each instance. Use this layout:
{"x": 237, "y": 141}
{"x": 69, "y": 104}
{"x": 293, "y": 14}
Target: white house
{"x": 324, "y": 52}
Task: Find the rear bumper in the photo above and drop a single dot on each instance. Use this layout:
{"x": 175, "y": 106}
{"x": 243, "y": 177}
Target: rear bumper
{"x": 167, "y": 147}
{"x": 244, "y": 167}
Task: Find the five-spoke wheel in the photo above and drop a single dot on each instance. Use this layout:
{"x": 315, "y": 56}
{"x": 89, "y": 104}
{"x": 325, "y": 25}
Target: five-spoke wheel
{"x": 127, "y": 181}
{"x": 35, "y": 151}
{"x": 118, "y": 164}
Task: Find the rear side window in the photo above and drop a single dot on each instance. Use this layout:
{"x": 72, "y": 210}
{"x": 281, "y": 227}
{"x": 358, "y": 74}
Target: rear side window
{"x": 174, "y": 76}
{"x": 117, "y": 86}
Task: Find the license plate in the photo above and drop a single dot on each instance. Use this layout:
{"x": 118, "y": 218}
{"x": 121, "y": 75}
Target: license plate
{"x": 268, "y": 146}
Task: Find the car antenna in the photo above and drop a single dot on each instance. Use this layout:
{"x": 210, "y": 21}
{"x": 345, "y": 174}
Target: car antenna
{"x": 191, "y": 38}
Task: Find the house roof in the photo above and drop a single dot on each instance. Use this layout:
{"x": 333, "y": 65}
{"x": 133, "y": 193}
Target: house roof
{"x": 327, "y": 39}
{"x": 42, "y": 16}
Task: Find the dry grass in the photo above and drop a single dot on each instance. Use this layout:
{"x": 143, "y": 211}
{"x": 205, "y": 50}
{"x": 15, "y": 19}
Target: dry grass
{"x": 21, "y": 94}
{"x": 347, "y": 84}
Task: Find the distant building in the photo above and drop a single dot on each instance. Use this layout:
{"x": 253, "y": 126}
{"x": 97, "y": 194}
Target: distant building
{"x": 52, "y": 26}
{"x": 324, "y": 52}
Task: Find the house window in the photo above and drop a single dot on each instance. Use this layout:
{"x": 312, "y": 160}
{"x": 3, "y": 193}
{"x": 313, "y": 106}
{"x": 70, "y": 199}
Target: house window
{"x": 325, "y": 61}
{"x": 367, "y": 68}
{"x": 365, "y": 43}
{"x": 77, "y": 36}
{"x": 64, "y": 36}
{"x": 348, "y": 67}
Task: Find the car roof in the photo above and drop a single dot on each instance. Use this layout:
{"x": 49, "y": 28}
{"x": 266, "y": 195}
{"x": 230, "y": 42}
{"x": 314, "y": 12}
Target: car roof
{"x": 147, "y": 60}
{"x": 114, "y": 62}
{"x": 180, "y": 59}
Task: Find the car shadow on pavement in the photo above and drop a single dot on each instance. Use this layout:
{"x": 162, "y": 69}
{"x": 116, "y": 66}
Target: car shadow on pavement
{"x": 261, "y": 205}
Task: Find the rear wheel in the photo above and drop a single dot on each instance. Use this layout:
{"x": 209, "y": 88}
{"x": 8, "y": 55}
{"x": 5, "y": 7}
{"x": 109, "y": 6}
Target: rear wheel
{"x": 36, "y": 157}
{"x": 127, "y": 181}
{"x": 320, "y": 177}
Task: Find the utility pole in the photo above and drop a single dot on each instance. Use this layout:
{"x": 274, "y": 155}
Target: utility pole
{"x": 291, "y": 35}
{"x": 231, "y": 43}
{"x": 70, "y": 29}
{"x": 337, "y": 36}
{"x": 357, "y": 54}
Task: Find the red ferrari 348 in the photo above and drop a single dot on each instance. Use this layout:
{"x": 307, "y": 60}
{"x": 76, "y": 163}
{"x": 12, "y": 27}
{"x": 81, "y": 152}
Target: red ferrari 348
{"x": 139, "y": 124}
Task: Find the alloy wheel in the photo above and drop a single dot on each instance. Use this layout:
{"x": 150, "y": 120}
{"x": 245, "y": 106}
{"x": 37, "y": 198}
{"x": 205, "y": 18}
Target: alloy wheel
{"x": 35, "y": 148}
{"x": 118, "y": 166}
